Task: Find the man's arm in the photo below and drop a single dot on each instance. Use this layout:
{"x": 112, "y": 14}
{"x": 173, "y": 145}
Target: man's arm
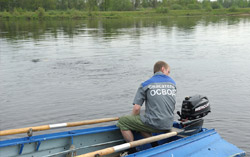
{"x": 136, "y": 109}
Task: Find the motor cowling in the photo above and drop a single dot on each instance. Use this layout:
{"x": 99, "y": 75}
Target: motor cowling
{"x": 193, "y": 109}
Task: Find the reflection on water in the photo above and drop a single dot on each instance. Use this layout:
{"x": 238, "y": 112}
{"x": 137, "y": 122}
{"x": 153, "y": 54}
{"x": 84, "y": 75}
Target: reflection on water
{"x": 22, "y": 29}
{"x": 70, "y": 70}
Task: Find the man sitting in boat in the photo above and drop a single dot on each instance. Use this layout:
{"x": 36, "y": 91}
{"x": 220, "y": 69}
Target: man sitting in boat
{"x": 159, "y": 95}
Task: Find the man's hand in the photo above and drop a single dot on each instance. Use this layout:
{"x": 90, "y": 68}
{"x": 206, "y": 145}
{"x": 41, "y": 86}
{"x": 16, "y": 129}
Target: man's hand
{"x": 136, "y": 109}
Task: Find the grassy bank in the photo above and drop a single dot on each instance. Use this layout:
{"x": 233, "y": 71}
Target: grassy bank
{"x": 160, "y": 12}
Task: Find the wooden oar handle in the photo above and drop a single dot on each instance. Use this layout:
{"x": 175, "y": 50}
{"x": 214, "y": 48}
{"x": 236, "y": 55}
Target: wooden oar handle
{"x": 99, "y": 152}
{"x": 53, "y": 126}
{"x": 95, "y": 121}
{"x": 24, "y": 130}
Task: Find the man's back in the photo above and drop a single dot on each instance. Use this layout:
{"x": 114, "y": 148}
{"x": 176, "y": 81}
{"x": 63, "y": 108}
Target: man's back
{"x": 160, "y": 101}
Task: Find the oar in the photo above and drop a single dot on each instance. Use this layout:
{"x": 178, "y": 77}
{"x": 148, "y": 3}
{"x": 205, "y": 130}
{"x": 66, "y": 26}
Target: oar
{"x": 53, "y": 126}
{"x": 126, "y": 146}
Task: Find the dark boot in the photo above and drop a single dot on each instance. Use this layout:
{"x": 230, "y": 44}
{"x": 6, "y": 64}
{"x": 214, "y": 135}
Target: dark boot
{"x": 154, "y": 144}
{"x": 132, "y": 150}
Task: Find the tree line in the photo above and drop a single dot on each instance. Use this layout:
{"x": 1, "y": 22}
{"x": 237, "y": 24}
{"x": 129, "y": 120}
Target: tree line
{"x": 117, "y": 5}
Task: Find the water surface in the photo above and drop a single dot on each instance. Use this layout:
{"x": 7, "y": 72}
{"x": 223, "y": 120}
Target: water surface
{"x": 73, "y": 70}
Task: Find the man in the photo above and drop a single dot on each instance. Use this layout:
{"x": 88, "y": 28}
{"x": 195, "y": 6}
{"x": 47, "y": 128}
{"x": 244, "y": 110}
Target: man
{"x": 159, "y": 95}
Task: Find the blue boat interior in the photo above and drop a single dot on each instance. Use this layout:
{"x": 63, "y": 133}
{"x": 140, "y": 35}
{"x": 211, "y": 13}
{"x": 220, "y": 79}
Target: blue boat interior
{"x": 205, "y": 142}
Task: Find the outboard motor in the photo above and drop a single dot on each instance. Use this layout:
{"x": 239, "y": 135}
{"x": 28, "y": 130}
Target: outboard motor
{"x": 193, "y": 109}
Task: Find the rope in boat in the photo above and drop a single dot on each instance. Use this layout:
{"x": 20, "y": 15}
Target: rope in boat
{"x": 95, "y": 145}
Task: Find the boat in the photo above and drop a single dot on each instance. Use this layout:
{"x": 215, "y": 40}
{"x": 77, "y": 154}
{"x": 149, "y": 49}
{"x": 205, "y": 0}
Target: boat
{"x": 77, "y": 142}
{"x": 186, "y": 139}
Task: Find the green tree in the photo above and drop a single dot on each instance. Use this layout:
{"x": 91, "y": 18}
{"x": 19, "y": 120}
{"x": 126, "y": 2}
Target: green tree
{"x": 121, "y": 5}
{"x": 137, "y": 4}
{"x": 206, "y": 4}
{"x": 40, "y": 12}
{"x": 194, "y": 6}
{"x": 216, "y": 5}
{"x": 164, "y": 3}
{"x": 105, "y": 5}
{"x": 49, "y": 4}
{"x": 92, "y": 5}
{"x": 176, "y": 7}
{"x": 154, "y": 3}
{"x": 145, "y": 3}
{"x": 4, "y": 5}
{"x": 81, "y": 5}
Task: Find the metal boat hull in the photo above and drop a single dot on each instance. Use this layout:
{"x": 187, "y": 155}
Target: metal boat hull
{"x": 76, "y": 142}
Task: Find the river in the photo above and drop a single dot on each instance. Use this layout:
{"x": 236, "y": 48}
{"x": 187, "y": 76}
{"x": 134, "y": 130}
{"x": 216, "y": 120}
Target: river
{"x": 59, "y": 71}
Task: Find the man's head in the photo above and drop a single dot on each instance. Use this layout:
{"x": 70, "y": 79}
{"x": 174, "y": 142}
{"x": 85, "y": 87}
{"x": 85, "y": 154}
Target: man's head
{"x": 162, "y": 66}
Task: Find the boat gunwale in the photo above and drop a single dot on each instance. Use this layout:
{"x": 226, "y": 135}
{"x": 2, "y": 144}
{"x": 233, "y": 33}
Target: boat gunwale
{"x": 57, "y": 135}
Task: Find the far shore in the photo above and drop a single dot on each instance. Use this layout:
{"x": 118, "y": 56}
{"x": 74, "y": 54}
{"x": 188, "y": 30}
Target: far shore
{"x": 76, "y": 14}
